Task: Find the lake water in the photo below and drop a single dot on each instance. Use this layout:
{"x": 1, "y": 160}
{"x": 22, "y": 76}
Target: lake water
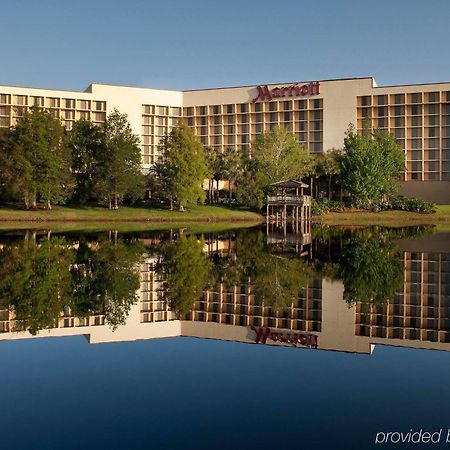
{"x": 259, "y": 338}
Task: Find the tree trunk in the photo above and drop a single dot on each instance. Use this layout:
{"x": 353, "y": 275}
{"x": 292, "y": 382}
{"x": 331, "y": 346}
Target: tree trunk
{"x": 110, "y": 203}
{"x": 312, "y": 187}
{"x": 116, "y": 206}
{"x": 49, "y": 204}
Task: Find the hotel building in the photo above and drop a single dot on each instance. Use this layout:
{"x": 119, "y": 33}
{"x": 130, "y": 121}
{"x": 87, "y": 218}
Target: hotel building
{"x": 318, "y": 113}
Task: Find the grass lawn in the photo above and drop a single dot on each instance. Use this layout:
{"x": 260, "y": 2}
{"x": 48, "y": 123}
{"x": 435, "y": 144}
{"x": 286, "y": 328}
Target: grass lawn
{"x": 126, "y": 218}
{"x": 389, "y": 218}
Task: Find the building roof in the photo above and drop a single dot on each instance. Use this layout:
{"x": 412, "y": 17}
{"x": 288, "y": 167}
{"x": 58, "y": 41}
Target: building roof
{"x": 289, "y": 184}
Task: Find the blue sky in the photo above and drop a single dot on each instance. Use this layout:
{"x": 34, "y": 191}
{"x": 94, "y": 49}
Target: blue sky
{"x": 198, "y": 43}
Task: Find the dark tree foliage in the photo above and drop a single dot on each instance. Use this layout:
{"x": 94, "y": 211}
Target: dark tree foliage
{"x": 184, "y": 270}
{"x": 87, "y": 143}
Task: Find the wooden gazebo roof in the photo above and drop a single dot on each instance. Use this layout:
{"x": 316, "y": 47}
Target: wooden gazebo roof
{"x": 289, "y": 184}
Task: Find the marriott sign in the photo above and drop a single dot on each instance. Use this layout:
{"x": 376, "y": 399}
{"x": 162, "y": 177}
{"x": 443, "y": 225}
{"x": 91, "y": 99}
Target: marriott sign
{"x": 295, "y": 90}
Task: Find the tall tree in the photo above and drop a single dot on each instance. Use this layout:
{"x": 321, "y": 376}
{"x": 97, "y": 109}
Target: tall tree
{"x": 87, "y": 143}
{"x": 371, "y": 166}
{"x": 275, "y": 156}
{"x": 120, "y": 162}
{"x": 330, "y": 167}
{"x": 232, "y": 166}
{"x": 214, "y": 163}
{"x": 40, "y": 159}
{"x": 184, "y": 166}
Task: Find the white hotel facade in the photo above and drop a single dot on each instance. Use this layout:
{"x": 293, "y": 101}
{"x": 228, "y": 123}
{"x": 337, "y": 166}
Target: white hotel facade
{"x": 317, "y": 112}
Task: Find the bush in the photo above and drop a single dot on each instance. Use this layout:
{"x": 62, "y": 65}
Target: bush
{"x": 401, "y": 203}
{"x": 324, "y": 206}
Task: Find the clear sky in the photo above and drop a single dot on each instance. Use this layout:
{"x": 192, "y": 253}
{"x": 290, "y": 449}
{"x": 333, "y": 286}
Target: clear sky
{"x": 188, "y": 44}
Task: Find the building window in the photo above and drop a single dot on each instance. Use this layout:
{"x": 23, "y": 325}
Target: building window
{"x": 365, "y": 101}
{"x": 230, "y": 109}
{"x": 416, "y": 98}
{"x": 244, "y": 107}
{"x": 272, "y": 106}
{"x": 398, "y": 98}
{"x": 216, "y": 109}
{"x": 258, "y": 107}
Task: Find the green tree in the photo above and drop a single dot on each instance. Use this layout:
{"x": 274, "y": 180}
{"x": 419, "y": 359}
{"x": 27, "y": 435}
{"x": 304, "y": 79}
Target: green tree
{"x": 371, "y": 166}
{"x": 370, "y": 270}
{"x": 330, "y": 167}
{"x": 40, "y": 159}
{"x": 7, "y": 178}
{"x": 249, "y": 189}
{"x": 232, "y": 167}
{"x": 214, "y": 163}
{"x": 275, "y": 156}
{"x": 185, "y": 271}
{"x": 87, "y": 143}
{"x": 184, "y": 166}
{"x": 279, "y": 156}
{"x": 120, "y": 162}
{"x": 35, "y": 280}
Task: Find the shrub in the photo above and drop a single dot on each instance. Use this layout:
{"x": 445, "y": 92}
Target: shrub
{"x": 324, "y": 206}
{"x": 401, "y": 203}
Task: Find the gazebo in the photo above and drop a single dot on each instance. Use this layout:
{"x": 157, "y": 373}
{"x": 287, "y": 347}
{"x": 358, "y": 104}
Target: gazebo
{"x": 289, "y": 194}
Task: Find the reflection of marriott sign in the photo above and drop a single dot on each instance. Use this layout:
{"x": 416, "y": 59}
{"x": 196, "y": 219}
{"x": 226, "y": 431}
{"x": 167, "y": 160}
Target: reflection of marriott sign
{"x": 262, "y": 334}
{"x": 295, "y": 90}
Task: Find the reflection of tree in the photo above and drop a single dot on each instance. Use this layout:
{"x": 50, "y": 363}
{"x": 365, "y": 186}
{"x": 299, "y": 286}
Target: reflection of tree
{"x": 35, "y": 280}
{"x": 106, "y": 278}
{"x": 42, "y": 279}
{"x": 370, "y": 270}
{"x": 276, "y": 281}
{"x": 185, "y": 271}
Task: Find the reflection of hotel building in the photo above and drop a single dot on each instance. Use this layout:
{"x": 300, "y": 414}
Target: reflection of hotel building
{"x": 418, "y": 317}
{"x": 318, "y": 113}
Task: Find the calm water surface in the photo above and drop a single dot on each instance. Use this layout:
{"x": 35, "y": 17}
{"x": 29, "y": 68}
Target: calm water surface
{"x": 249, "y": 339}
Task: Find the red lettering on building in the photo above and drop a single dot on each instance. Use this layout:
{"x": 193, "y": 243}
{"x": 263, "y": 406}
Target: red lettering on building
{"x": 266, "y": 93}
{"x": 307, "y": 340}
